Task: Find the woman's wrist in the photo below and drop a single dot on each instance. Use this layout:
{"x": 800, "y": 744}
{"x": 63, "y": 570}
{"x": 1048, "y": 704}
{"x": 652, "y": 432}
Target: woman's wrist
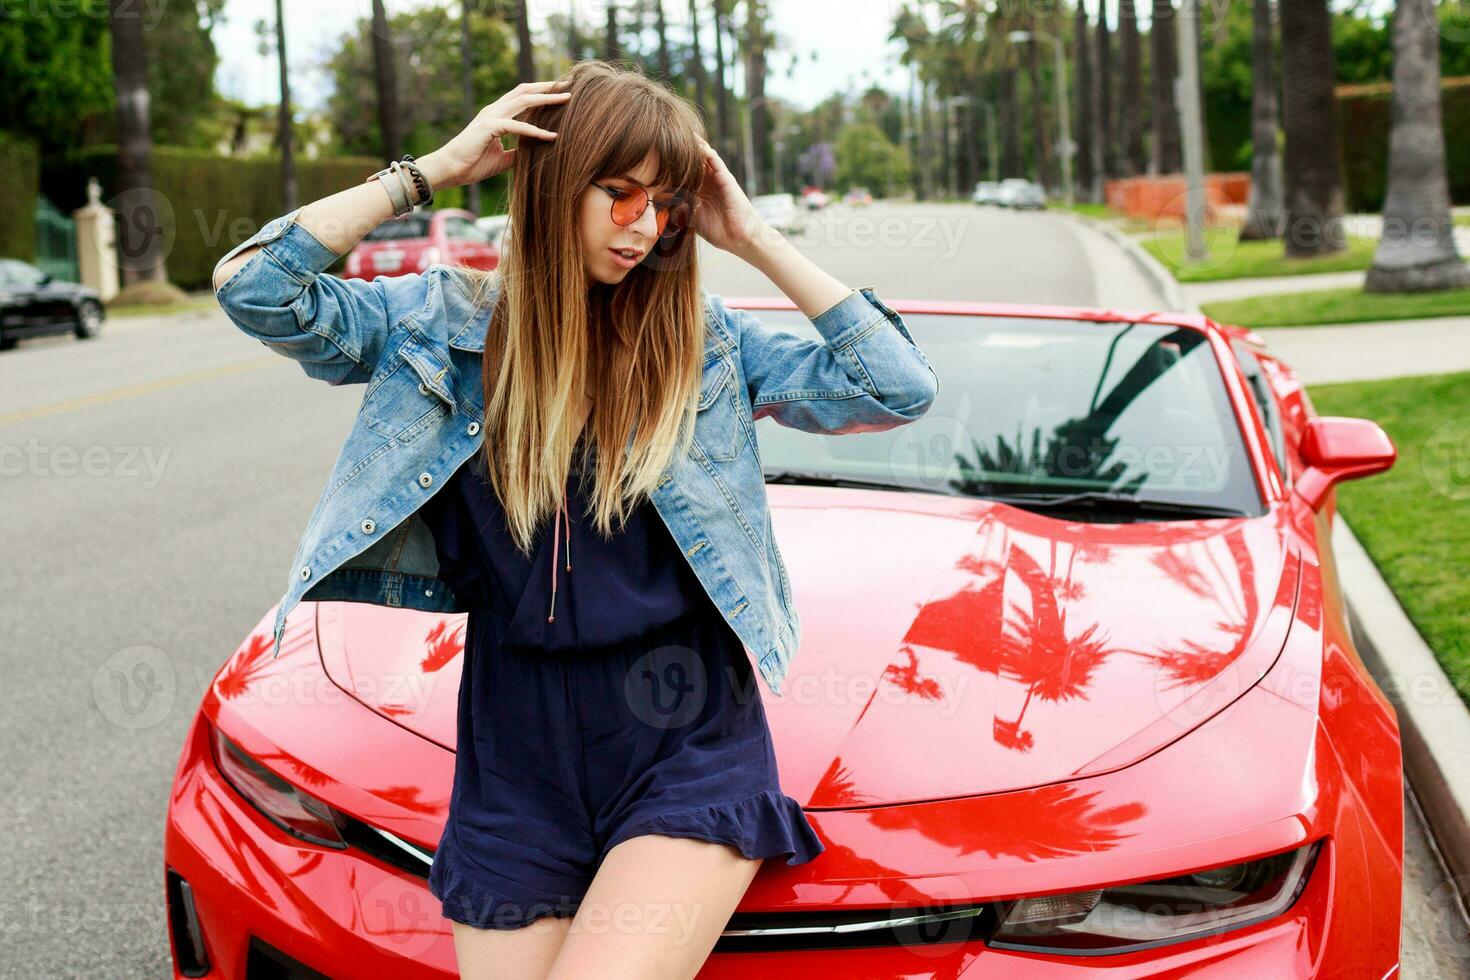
{"x": 434, "y": 169}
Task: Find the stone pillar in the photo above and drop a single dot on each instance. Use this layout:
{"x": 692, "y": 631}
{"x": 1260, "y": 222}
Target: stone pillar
{"x": 96, "y": 243}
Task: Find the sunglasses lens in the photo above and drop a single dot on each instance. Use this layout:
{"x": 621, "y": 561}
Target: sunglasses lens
{"x": 673, "y": 220}
{"x": 627, "y": 208}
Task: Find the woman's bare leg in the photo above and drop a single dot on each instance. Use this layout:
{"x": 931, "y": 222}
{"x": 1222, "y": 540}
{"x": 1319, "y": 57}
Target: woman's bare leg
{"x": 513, "y": 954}
{"x": 655, "y": 909}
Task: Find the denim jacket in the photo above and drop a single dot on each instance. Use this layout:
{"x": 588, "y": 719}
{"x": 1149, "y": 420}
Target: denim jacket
{"x": 416, "y": 342}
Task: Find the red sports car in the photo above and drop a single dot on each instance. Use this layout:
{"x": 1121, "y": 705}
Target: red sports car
{"x": 1076, "y": 693}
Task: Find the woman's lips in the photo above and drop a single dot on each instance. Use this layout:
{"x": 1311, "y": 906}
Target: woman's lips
{"x": 626, "y": 263}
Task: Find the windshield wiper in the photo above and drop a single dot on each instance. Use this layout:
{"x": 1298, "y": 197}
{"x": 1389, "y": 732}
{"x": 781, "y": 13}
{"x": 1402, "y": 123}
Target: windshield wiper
{"x": 1121, "y": 501}
{"x": 813, "y": 478}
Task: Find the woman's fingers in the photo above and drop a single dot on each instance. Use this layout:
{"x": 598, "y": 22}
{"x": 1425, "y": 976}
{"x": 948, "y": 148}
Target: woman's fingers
{"x": 526, "y": 129}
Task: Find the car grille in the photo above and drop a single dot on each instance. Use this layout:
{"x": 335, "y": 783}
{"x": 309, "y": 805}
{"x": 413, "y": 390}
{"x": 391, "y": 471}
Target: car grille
{"x": 764, "y": 932}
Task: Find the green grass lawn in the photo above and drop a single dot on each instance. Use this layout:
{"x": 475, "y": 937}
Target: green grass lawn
{"x": 161, "y": 309}
{"x": 1414, "y": 519}
{"x": 1230, "y": 258}
{"x": 1348, "y": 305}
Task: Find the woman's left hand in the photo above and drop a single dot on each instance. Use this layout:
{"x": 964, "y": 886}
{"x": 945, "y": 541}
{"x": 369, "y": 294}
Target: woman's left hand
{"x": 725, "y": 217}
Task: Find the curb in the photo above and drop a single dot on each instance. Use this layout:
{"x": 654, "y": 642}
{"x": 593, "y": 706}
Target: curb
{"x": 1162, "y": 278}
{"x": 1434, "y": 723}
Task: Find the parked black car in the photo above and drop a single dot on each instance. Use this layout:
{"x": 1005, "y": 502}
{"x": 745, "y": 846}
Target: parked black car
{"x": 32, "y": 304}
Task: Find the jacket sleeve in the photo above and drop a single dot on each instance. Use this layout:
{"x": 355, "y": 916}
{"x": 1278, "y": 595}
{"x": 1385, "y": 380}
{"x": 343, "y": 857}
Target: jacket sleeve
{"x": 866, "y": 374}
{"x": 335, "y": 328}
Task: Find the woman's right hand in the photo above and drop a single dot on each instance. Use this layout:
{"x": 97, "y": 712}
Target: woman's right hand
{"x": 477, "y": 153}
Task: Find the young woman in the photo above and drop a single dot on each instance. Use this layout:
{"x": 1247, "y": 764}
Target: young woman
{"x": 614, "y": 769}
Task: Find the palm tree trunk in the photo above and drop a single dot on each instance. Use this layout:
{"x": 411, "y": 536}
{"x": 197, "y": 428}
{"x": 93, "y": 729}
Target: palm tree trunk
{"x": 1168, "y": 152}
{"x": 722, "y": 91}
{"x": 1132, "y": 158}
{"x": 140, "y": 244}
{"x": 284, "y": 135}
{"x": 1263, "y": 211}
{"x": 1046, "y": 164}
{"x": 1106, "y": 107}
{"x": 1084, "y": 172}
{"x": 386, "y": 78}
{"x": 1010, "y": 123}
{"x": 467, "y": 83}
{"x": 665, "y": 67}
{"x": 755, "y": 94}
{"x": 610, "y": 48}
{"x": 525, "y": 51}
{"x": 1417, "y": 252}
{"x": 696, "y": 64}
{"x": 1313, "y": 162}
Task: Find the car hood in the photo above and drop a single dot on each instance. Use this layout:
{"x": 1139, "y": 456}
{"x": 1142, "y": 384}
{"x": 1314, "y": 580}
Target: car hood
{"x": 950, "y": 646}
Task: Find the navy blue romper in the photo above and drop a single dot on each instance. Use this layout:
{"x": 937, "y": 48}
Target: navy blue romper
{"x": 633, "y": 711}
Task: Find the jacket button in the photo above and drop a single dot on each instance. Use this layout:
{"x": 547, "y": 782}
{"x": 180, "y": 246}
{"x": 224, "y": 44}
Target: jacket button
{"x": 473, "y": 428}
{"x": 423, "y": 388}
{"x": 368, "y": 526}
{"x": 305, "y": 573}
{"x": 425, "y": 479}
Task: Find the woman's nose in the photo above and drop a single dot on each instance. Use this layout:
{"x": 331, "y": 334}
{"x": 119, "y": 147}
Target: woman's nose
{"x": 647, "y": 222}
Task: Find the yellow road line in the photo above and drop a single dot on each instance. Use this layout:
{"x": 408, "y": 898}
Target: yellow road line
{"x": 134, "y": 391}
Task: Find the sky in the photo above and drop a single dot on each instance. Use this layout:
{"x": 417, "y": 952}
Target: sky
{"x": 848, "y": 42}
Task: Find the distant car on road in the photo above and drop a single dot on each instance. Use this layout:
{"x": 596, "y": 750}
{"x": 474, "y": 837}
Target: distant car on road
{"x": 493, "y": 225}
{"x": 857, "y": 197}
{"x": 986, "y": 192}
{"x": 778, "y": 210}
{"x": 33, "y": 304}
{"x": 1021, "y": 194}
{"x": 419, "y": 239}
{"x": 813, "y": 198}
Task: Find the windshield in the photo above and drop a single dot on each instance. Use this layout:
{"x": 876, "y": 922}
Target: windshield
{"x": 1039, "y": 406}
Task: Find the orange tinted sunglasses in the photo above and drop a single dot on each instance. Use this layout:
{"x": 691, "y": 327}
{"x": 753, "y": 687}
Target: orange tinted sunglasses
{"x": 629, "y": 203}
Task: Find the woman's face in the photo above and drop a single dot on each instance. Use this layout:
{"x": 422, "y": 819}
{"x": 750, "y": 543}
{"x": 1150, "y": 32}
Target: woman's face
{"x": 600, "y": 235}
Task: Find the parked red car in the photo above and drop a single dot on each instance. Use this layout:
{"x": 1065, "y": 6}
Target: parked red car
{"x": 417, "y": 240}
{"x": 1077, "y": 694}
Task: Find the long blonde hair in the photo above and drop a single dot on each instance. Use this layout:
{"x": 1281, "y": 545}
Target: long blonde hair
{"x": 635, "y": 346}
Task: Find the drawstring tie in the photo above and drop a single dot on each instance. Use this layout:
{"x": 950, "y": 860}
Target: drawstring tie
{"x": 560, "y": 512}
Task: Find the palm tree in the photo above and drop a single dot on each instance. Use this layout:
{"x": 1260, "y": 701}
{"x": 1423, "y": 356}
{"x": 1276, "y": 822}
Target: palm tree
{"x": 1418, "y": 194}
{"x": 1263, "y": 211}
{"x": 610, "y": 47}
{"x": 1106, "y": 109}
{"x": 722, "y": 91}
{"x": 525, "y": 53}
{"x": 1313, "y": 161}
{"x": 696, "y": 61}
{"x": 143, "y": 259}
{"x": 1168, "y": 152}
{"x": 757, "y": 41}
{"x": 1046, "y": 165}
{"x": 1086, "y": 174}
{"x": 1132, "y": 159}
{"x": 386, "y": 77}
{"x": 283, "y": 120}
{"x": 665, "y": 67}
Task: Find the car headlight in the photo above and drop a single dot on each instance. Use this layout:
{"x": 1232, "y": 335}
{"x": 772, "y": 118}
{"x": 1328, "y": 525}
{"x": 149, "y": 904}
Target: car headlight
{"x": 1151, "y": 913}
{"x": 299, "y": 814}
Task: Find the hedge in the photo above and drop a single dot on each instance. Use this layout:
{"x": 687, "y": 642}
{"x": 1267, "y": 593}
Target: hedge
{"x": 1367, "y": 118}
{"x": 216, "y": 202}
{"x": 20, "y": 159}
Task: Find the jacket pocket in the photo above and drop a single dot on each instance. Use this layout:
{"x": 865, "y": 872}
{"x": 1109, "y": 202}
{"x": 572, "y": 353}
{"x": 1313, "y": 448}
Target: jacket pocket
{"x": 413, "y": 397}
{"x": 719, "y": 434}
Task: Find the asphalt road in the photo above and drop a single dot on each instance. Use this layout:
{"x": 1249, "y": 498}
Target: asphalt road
{"x": 155, "y": 483}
